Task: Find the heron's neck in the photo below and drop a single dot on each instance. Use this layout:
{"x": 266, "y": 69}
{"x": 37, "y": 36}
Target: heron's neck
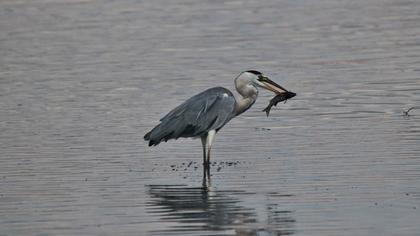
{"x": 244, "y": 103}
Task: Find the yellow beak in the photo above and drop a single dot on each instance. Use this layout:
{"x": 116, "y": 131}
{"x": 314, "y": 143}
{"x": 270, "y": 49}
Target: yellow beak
{"x": 272, "y": 86}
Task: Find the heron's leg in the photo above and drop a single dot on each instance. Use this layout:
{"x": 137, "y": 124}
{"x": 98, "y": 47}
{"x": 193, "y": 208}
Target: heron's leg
{"x": 206, "y": 179}
{"x": 204, "y": 183}
{"x": 210, "y": 138}
{"x": 203, "y": 142}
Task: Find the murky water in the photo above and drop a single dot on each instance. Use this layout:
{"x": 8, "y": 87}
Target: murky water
{"x": 82, "y": 81}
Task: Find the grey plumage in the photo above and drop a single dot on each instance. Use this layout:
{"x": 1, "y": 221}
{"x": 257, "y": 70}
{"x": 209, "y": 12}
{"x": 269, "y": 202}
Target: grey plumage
{"x": 208, "y": 110}
{"x": 204, "y": 114}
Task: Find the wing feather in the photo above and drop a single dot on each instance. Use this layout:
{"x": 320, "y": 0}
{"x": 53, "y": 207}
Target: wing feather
{"x": 209, "y": 110}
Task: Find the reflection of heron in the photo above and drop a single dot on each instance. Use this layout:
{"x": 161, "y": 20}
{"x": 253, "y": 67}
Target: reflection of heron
{"x": 209, "y": 211}
{"x": 206, "y": 113}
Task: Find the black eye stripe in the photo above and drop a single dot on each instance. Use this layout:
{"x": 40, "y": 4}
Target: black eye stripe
{"x": 254, "y": 72}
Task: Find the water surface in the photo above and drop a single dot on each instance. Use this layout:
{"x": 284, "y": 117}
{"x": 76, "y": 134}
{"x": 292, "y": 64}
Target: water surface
{"x": 81, "y": 82}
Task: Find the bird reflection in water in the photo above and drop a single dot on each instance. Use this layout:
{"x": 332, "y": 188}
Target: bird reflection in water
{"x": 205, "y": 209}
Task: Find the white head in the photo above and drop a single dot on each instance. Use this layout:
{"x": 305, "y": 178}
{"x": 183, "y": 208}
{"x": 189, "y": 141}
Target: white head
{"x": 248, "y": 81}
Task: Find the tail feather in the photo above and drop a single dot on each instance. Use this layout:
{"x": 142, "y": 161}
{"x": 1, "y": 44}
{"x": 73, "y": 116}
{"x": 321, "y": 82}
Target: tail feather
{"x": 152, "y": 137}
{"x": 147, "y": 138}
{"x": 162, "y": 132}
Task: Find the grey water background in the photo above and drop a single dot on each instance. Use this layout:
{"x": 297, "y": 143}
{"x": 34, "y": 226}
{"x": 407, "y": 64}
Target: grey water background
{"x": 82, "y": 81}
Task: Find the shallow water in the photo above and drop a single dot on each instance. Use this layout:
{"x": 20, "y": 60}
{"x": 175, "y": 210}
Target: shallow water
{"x": 81, "y": 82}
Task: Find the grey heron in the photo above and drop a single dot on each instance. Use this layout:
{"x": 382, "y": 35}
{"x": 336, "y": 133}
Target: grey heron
{"x": 204, "y": 114}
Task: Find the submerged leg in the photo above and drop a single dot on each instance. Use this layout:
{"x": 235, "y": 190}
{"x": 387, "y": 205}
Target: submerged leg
{"x": 210, "y": 138}
{"x": 203, "y": 142}
{"x": 206, "y": 183}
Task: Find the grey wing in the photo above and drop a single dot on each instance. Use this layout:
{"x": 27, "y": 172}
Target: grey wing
{"x": 209, "y": 110}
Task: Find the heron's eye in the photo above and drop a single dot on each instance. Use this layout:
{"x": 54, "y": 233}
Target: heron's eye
{"x": 262, "y": 78}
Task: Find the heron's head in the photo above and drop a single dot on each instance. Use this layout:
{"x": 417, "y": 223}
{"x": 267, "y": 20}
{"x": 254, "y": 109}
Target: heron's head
{"x": 257, "y": 79}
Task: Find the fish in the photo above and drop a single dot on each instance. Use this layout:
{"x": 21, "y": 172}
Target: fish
{"x": 278, "y": 98}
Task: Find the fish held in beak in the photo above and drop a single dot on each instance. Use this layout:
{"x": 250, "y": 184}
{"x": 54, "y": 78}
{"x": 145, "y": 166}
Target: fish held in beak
{"x": 279, "y": 98}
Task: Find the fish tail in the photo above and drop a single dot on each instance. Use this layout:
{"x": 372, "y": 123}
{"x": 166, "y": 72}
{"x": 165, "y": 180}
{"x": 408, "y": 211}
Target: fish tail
{"x": 267, "y": 110}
